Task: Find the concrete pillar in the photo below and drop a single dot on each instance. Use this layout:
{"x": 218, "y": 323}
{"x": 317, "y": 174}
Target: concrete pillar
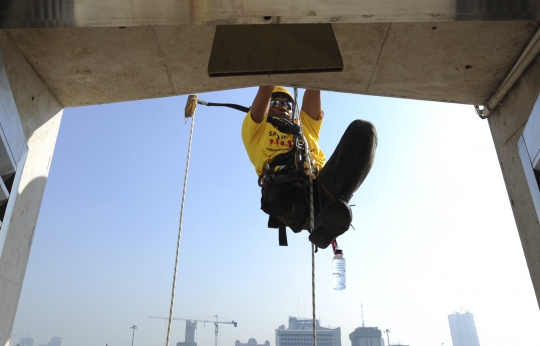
{"x": 507, "y": 124}
{"x": 39, "y": 113}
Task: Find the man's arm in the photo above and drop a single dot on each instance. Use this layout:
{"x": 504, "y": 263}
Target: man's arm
{"x": 311, "y": 104}
{"x": 261, "y": 103}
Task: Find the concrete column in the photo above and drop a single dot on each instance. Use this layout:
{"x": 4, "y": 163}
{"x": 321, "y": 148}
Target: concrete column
{"x": 507, "y": 124}
{"x": 40, "y": 114}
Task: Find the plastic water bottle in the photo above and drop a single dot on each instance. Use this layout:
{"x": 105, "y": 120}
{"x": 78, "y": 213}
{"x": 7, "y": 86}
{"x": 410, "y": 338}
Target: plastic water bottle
{"x": 338, "y": 270}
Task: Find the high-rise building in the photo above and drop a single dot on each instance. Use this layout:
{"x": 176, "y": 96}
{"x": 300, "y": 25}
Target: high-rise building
{"x": 366, "y": 336}
{"x": 300, "y": 333}
{"x": 26, "y": 341}
{"x": 463, "y": 329}
{"x": 191, "y": 329}
{"x": 55, "y": 341}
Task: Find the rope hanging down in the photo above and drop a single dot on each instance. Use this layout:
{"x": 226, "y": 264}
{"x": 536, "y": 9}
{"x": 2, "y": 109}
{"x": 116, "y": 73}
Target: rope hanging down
{"x": 296, "y": 117}
{"x": 189, "y": 113}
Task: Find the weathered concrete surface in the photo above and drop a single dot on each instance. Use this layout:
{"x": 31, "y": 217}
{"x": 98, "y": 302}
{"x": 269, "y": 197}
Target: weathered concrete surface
{"x": 457, "y": 61}
{"x": 507, "y": 124}
{"x": 446, "y": 62}
{"x": 101, "y": 13}
{"x": 360, "y": 47}
{"x": 40, "y": 115}
{"x": 186, "y": 51}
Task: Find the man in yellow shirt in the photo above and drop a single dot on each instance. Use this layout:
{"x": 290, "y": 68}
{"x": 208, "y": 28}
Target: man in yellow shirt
{"x": 268, "y": 145}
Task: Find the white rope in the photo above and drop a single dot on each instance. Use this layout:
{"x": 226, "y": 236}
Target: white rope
{"x": 311, "y": 219}
{"x": 313, "y": 293}
{"x": 311, "y": 227}
{"x": 180, "y": 229}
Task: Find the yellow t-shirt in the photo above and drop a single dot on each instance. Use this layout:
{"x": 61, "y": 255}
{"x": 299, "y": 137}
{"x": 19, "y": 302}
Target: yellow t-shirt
{"x": 264, "y": 142}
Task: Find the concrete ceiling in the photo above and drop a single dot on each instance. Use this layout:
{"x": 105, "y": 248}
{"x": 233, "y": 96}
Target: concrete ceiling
{"x": 115, "y": 13}
{"x": 461, "y": 62}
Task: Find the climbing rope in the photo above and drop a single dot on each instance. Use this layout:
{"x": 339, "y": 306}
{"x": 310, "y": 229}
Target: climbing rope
{"x": 311, "y": 216}
{"x": 190, "y": 112}
{"x": 313, "y": 293}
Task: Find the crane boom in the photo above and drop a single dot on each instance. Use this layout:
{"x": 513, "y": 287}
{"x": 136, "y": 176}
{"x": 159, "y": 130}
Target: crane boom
{"x": 195, "y": 320}
{"x": 204, "y": 321}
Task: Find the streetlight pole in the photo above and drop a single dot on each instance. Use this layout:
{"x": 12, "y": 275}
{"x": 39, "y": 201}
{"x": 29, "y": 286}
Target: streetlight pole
{"x": 133, "y": 337}
{"x": 387, "y": 336}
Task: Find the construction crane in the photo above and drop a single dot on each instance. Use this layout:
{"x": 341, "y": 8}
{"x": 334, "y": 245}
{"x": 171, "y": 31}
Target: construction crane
{"x": 204, "y": 321}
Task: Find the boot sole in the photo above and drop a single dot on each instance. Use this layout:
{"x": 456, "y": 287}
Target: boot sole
{"x": 335, "y": 220}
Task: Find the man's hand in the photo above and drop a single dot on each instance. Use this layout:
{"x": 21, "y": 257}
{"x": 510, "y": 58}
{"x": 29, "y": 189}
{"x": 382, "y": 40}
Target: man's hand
{"x": 261, "y": 103}
{"x": 311, "y": 104}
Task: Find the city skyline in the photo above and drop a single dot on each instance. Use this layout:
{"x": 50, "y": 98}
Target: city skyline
{"x": 460, "y": 324}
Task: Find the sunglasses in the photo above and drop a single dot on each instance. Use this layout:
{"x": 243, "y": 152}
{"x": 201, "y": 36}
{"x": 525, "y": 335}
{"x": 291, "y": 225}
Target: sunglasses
{"x": 278, "y": 103}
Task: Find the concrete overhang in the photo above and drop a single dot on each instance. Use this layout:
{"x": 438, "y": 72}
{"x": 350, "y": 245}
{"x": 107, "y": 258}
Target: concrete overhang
{"x": 93, "y": 52}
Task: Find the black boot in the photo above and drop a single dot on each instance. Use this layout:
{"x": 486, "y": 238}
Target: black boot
{"x": 334, "y": 220}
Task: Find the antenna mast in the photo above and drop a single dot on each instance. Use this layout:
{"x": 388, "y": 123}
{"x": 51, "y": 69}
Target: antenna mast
{"x": 362, "y": 308}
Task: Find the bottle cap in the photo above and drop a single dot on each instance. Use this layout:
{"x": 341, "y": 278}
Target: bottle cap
{"x": 338, "y": 252}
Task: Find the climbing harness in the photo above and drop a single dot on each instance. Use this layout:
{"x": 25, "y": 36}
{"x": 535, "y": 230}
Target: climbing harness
{"x": 284, "y": 183}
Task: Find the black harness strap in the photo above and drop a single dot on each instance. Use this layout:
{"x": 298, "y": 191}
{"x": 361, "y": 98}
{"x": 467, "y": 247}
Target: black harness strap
{"x": 230, "y": 105}
{"x": 291, "y": 160}
{"x": 282, "y": 235}
{"x": 273, "y": 222}
{"x": 285, "y": 125}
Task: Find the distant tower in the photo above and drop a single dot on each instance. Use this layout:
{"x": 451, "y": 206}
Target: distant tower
{"x": 26, "y": 341}
{"x": 366, "y": 336}
{"x": 463, "y": 329}
{"x": 55, "y": 341}
{"x": 191, "y": 329}
{"x": 300, "y": 333}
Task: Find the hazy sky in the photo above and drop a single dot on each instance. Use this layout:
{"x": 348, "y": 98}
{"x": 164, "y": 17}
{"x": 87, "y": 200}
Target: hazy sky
{"x": 434, "y": 231}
